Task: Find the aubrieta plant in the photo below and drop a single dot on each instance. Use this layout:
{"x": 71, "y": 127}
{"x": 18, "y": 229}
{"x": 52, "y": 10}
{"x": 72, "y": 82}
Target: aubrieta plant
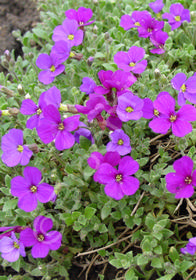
{"x": 98, "y": 124}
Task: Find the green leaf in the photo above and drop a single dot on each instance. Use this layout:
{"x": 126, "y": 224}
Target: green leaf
{"x": 130, "y": 275}
{"x": 16, "y": 265}
{"x": 185, "y": 265}
{"x": 10, "y": 204}
{"x": 105, "y": 211}
{"x": 173, "y": 254}
{"x": 7, "y": 181}
{"x": 167, "y": 277}
{"x": 141, "y": 260}
{"x": 89, "y": 212}
{"x": 157, "y": 262}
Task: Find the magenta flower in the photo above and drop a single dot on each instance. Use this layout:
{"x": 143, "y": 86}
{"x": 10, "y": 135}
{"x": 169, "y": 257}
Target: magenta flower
{"x": 178, "y": 121}
{"x": 131, "y": 60}
{"x": 88, "y": 85}
{"x": 51, "y": 127}
{"x": 11, "y": 248}
{"x": 129, "y": 107}
{"x": 118, "y": 81}
{"x": 29, "y": 190}
{"x": 85, "y": 132}
{"x": 158, "y": 39}
{"x": 113, "y": 122}
{"x": 182, "y": 181}
{"x": 156, "y": 6}
{"x": 41, "y": 240}
{"x": 51, "y": 65}
{"x": 134, "y": 20}
{"x": 14, "y": 152}
{"x": 68, "y": 32}
{"x": 82, "y": 16}
{"x": 149, "y": 25}
{"x": 177, "y": 15}
{"x": 186, "y": 88}
{"x": 28, "y": 106}
{"x": 190, "y": 247}
{"x": 120, "y": 143}
{"x": 62, "y": 50}
{"x": 8, "y": 230}
{"x": 119, "y": 182}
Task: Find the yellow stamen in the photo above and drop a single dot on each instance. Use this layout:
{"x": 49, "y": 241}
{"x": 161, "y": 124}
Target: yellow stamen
{"x": 156, "y": 112}
{"x": 118, "y": 177}
{"x": 183, "y": 88}
{"x": 188, "y": 180}
{"x": 39, "y": 111}
{"x": 61, "y": 126}
{"x": 131, "y": 64}
{"x": 172, "y": 118}
{"x": 177, "y": 18}
{"x": 52, "y": 68}
{"x": 81, "y": 23}
{"x": 16, "y": 245}
{"x": 129, "y": 109}
{"x": 72, "y": 54}
{"x": 70, "y": 37}
{"x": 33, "y": 189}
{"x": 137, "y": 23}
{"x": 63, "y": 107}
{"x": 40, "y": 237}
{"x": 20, "y": 148}
{"x": 120, "y": 142}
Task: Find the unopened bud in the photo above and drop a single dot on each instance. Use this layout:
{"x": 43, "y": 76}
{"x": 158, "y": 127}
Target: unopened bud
{"x": 90, "y": 60}
{"x": 95, "y": 1}
{"x": 20, "y": 89}
{"x": 34, "y": 148}
{"x": 7, "y": 91}
{"x": 5, "y": 63}
{"x": 27, "y": 96}
{"x": 4, "y": 113}
{"x": 12, "y": 62}
{"x": 77, "y": 56}
{"x": 107, "y": 35}
{"x": 157, "y": 74}
{"x": 14, "y": 111}
{"x": 193, "y": 15}
{"x": 163, "y": 79}
{"x": 95, "y": 28}
{"x": 7, "y": 55}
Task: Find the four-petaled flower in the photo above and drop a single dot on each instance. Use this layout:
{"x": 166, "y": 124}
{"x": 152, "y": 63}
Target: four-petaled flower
{"x": 182, "y": 181}
{"x": 41, "y": 240}
{"x": 82, "y": 16}
{"x": 120, "y": 142}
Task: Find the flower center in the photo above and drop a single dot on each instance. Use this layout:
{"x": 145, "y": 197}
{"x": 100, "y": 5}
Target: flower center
{"x": 137, "y": 23}
{"x": 129, "y": 109}
{"x": 173, "y": 118}
{"x": 188, "y": 180}
{"x": 118, "y": 177}
{"x": 52, "y": 68}
{"x": 131, "y": 64}
{"x": 70, "y": 37}
{"x": 71, "y": 54}
{"x": 81, "y": 23}
{"x": 120, "y": 142}
{"x": 33, "y": 189}
{"x": 40, "y": 237}
{"x": 156, "y": 112}
{"x": 183, "y": 88}
{"x": 177, "y": 18}
{"x": 39, "y": 111}
{"x": 61, "y": 126}
{"x": 20, "y": 148}
{"x": 16, "y": 245}
{"x": 149, "y": 30}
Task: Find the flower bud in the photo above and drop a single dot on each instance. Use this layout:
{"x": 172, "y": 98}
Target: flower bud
{"x": 7, "y": 55}
{"x": 95, "y": 28}
{"x": 7, "y": 91}
{"x": 107, "y": 36}
{"x": 34, "y": 148}
{"x": 193, "y": 15}
{"x": 90, "y": 60}
{"x": 14, "y": 111}
{"x": 20, "y": 89}
{"x": 157, "y": 73}
{"x": 27, "y": 96}
{"x": 5, "y": 63}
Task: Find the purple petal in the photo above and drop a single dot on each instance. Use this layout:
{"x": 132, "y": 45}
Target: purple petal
{"x": 136, "y": 53}
{"x": 44, "y": 61}
{"x": 42, "y": 224}
{"x": 47, "y": 130}
{"x": 106, "y": 173}
{"x": 183, "y": 166}
{"x": 19, "y": 186}
{"x": 46, "y": 77}
{"x": 176, "y": 9}
{"x": 180, "y": 128}
{"x": 113, "y": 190}
{"x": 12, "y": 139}
{"x": 148, "y": 109}
{"x": 178, "y": 81}
{"x": 28, "y": 107}
{"x": 187, "y": 113}
{"x": 64, "y": 140}
{"x": 11, "y": 158}
{"x": 139, "y": 67}
{"x": 51, "y": 113}
{"x": 126, "y": 22}
{"x": 40, "y": 250}
{"x": 113, "y": 158}
{"x": 128, "y": 166}
{"x": 32, "y": 175}
{"x": 25, "y": 155}
{"x": 71, "y": 123}
{"x": 27, "y": 237}
{"x": 130, "y": 185}
{"x": 160, "y": 125}
{"x": 44, "y": 192}
{"x": 95, "y": 160}
{"x": 6, "y": 245}
{"x": 191, "y": 85}
{"x": 12, "y": 256}
{"x": 165, "y": 104}
{"x": 28, "y": 202}
{"x": 33, "y": 122}
{"x": 53, "y": 239}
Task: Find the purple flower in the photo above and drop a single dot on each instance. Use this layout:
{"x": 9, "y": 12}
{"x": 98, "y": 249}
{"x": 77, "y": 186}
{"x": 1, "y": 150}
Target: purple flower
{"x": 9, "y": 230}
{"x": 120, "y": 143}
{"x": 52, "y": 67}
{"x": 28, "y": 107}
{"x": 190, "y": 247}
{"x": 178, "y": 121}
{"x": 177, "y": 15}
{"x": 62, "y": 50}
{"x": 182, "y": 181}
{"x": 88, "y": 85}
{"x": 29, "y": 190}
{"x": 11, "y": 248}
{"x": 119, "y": 182}
{"x": 131, "y": 60}
{"x": 118, "y": 81}
{"x": 51, "y": 127}
{"x": 158, "y": 39}
{"x": 186, "y": 88}
{"x": 149, "y": 25}
{"x": 156, "y": 6}
{"x": 134, "y": 20}
{"x": 81, "y": 131}
{"x": 94, "y": 106}
{"x": 113, "y": 122}
{"x": 129, "y": 107}
{"x": 82, "y": 16}
{"x": 41, "y": 240}
{"x": 68, "y": 32}
{"x": 14, "y": 152}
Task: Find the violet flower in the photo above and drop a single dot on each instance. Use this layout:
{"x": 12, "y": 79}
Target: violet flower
{"x": 11, "y": 248}
{"x": 156, "y": 6}
{"x": 68, "y": 32}
{"x": 119, "y": 182}
{"x": 114, "y": 82}
{"x": 8, "y": 230}
{"x": 131, "y": 60}
{"x": 88, "y": 85}
{"x": 182, "y": 182}
{"x": 190, "y": 247}
{"x": 29, "y": 190}
{"x": 62, "y": 50}
{"x": 14, "y": 152}
{"x": 51, "y": 65}
{"x": 120, "y": 143}
{"x": 28, "y": 106}
{"x": 158, "y": 39}
{"x": 41, "y": 240}
{"x": 82, "y": 16}
{"x": 178, "y": 121}
{"x": 81, "y": 131}
{"x": 186, "y": 88}
{"x": 113, "y": 122}
{"x": 134, "y": 20}
{"x": 177, "y": 15}
{"x": 129, "y": 107}
{"x": 149, "y": 25}
{"x": 51, "y": 127}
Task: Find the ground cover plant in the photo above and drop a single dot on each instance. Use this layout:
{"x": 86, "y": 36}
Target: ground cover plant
{"x": 98, "y": 133}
